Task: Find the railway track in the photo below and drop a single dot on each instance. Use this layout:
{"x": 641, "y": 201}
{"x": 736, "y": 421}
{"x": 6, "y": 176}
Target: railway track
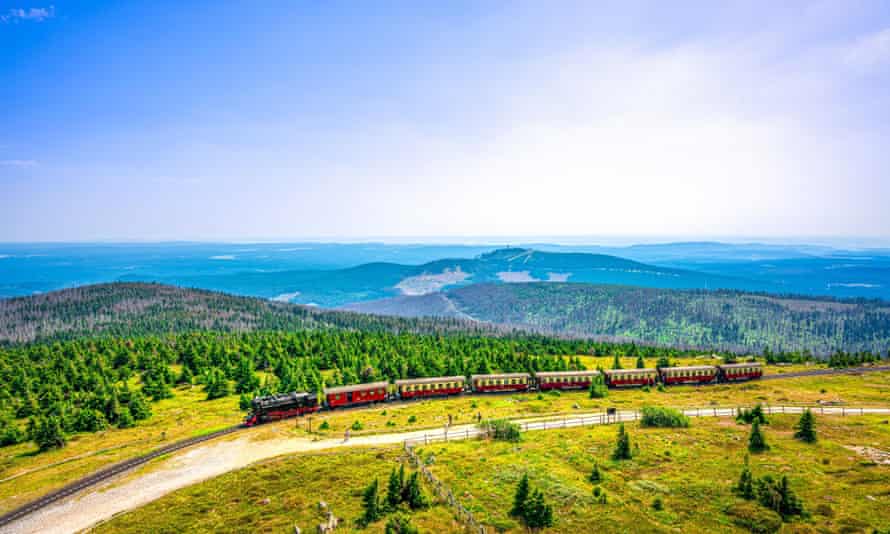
{"x": 126, "y": 465}
{"x": 107, "y": 473}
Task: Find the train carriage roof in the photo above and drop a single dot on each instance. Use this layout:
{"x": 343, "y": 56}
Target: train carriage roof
{"x": 691, "y": 368}
{"x": 554, "y": 374}
{"x": 431, "y": 380}
{"x": 737, "y": 365}
{"x": 647, "y": 370}
{"x": 502, "y": 375}
{"x": 355, "y": 387}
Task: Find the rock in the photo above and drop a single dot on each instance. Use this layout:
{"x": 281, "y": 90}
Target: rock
{"x": 297, "y": 530}
{"x": 322, "y": 505}
{"x": 267, "y": 500}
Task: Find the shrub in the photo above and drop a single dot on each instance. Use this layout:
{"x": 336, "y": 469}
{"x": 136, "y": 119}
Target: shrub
{"x": 126, "y": 419}
{"x": 414, "y": 495}
{"x": 357, "y": 425}
{"x": 750, "y": 416}
{"x": 47, "y": 433}
{"x": 778, "y": 496}
{"x": 503, "y": 430}
{"x": 412, "y": 419}
{"x": 400, "y": 524}
{"x": 324, "y": 426}
{"x": 657, "y": 504}
{"x": 663, "y": 418}
{"x": 622, "y": 445}
{"x": 660, "y": 388}
{"x": 756, "y": 441}
{"x": 596, "y": 476}
{"x": 598, "y": 389}
{"x": 371, "y": 504}
{"x": 759, "y": 520}
{"x": 806, "y": 427}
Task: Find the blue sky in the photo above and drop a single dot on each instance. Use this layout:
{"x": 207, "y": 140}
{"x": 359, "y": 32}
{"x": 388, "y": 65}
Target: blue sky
{"x": 286, "y": 120}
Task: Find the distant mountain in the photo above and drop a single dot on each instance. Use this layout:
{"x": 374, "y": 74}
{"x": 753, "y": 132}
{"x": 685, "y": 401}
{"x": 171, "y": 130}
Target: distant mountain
{"x": 133, "y": 309}
{"x": 374, "y": 281}
{"x": 726, "y": 319}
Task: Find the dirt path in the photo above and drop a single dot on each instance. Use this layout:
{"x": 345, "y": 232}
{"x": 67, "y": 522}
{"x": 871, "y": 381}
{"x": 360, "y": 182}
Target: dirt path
{"x": 221, "y": 456}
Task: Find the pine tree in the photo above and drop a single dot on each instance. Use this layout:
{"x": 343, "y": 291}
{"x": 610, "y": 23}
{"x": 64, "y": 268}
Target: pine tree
{"x": 616, "y": 364}
{"x": 371, "y": 504}
{"x": 245, "y": 379}
{"x": 521, "y": 496}
{"x": 806, "y": 427}
{"x": 596, "y": 476}
{"x": 47, "y": 433}
{"x": 756, "y": 441}
{"x": 745, "y": 487}
{"x": 394, "y": 490}
{"x": 598, "y": 389}
{"x": 662, "y": 362}
{"x": 139, "y": 408}
{"x": 216, "y": 385}
{"x": 622, "y": 445}
{"x": 126, "y": 418}
{"x": 416, "y": 499}
{"x": 641, "y": 364}
{"x": 538, "y": 514}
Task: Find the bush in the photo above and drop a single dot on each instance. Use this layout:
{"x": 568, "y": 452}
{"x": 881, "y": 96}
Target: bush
{"x": 126, "y": 419}
{"x": 357, "y": 425}
{"x": 758, "y": 520}
{"x": 622, "y": 445}
{"x": 756, "y": 441}
{"x": 750, "y": 416}
{"x": 503, "y": 430}
{"x": 324, "y": 426}
{"x": 598, "y": 389}
{"x": 663, "y": 418}
{"x": 47, "y": 433}
{"x": 400, "y": 524}
{"x": 658, "y": 504}
{"x": 412, "y": 419}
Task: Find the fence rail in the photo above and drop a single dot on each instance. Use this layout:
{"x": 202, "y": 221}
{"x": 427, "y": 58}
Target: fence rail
{"x": 445, "y": 493}
{"x": 634, "y": 415}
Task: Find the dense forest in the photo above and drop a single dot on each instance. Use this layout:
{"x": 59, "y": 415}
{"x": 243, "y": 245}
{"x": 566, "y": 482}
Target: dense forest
{"x": 730, "y": 320}
{"x": 137, "y": 309}
{"x": 88, "y": 384}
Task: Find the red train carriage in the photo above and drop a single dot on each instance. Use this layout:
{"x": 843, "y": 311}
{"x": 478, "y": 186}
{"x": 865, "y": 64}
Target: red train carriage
{"x": 356, "y": 394}
{"x": 281, "y": 406}
{"x": 430, "y": 387}
{"x": 696, "y": 374}
{"x": 736, "y": 372}
{"x": 501, "y": 382}
{"x": 564, "y": 379}
{"x": 617, "y": 378}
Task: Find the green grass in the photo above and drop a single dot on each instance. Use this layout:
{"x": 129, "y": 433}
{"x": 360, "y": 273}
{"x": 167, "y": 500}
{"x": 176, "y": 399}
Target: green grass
{"x": 691, "y": 470}
{"x": 275, "y": 495}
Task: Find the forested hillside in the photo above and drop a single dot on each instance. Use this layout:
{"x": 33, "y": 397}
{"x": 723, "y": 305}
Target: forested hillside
{"x": 725, "y": 319}
{"x": 136, "y": 309}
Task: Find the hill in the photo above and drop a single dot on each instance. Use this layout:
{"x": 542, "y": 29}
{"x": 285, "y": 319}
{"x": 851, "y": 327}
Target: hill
{"x": 134, "y": 309}
{"x": 374, "y": 281}
{"x": 731, "y": 320}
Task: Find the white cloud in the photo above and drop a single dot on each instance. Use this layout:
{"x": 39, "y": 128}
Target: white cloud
{"x": 869, "y": 50}
{"x": 36, "y": 14}
{"x": 20, "y": 163}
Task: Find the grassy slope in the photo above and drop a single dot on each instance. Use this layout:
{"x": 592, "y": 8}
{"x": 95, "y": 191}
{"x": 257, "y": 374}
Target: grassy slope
{"x": 692, "y": 470}
{"x": 293, "y": 486}
{"x": 188, "y": 413}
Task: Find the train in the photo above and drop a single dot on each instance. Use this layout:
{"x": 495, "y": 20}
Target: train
{"x": 284, "y": 405}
